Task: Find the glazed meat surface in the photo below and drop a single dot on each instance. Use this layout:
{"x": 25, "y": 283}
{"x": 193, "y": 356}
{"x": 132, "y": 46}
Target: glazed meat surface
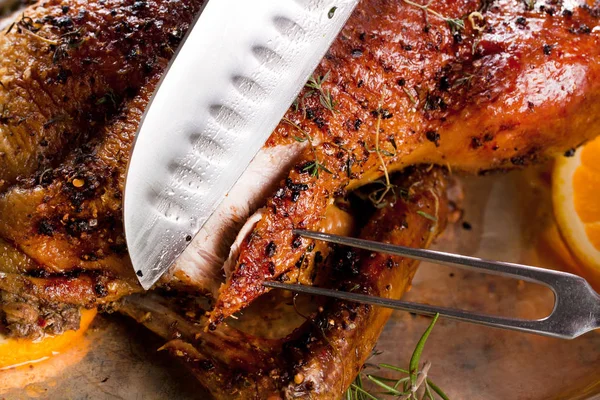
{"x": 404, "y": 86}
{"x": 469, "y": 85}
{"x": 319, "y": 359}
{"x": 75, "y": 78}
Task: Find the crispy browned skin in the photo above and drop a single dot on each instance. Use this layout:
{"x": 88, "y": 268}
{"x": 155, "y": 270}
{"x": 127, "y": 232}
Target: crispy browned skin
{"x": 75, "y": 78}
{"x": 526, "y": 87}
{"x": 322, "y": 357}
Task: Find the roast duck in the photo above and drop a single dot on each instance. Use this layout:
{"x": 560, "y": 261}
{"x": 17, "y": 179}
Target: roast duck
{"x": 408, "y": 95}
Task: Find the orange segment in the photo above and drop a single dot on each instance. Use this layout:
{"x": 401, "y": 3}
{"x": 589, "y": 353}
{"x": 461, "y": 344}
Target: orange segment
{"x": 589, "y": 155}
{"x": 593, "y": 233}
{"x": 17, "y": 352}
{"x": 576, "y": 200}
{"x": 586, "y": 191}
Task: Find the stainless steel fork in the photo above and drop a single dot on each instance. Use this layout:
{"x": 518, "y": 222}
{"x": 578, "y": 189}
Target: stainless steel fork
{"x": 576, "y": 305}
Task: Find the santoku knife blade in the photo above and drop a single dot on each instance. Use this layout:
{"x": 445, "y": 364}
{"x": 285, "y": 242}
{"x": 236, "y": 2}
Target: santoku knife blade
{"x": 239, "y": 69}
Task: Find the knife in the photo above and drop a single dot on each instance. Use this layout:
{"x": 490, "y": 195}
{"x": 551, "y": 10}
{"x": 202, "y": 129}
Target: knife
{"x": 238, "y": 70}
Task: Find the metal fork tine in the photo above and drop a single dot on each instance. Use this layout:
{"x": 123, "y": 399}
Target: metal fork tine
{"x": 517, "y": 271}
{"x": 576, "y": 308}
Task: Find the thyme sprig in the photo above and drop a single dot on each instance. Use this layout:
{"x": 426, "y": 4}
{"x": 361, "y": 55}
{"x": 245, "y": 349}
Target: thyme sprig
{"x": 316, "y": 165}
{"x": 377, "y": 197}
{"x": 413, "y": 384}
{"x": 427, "y": 215}
{"x": 29, "y": 26}
{"x": 465, "y": 80}
{"x": 411, "y": 97}
{"x": 455, "y": 24}
{"x": 316, "y": 84}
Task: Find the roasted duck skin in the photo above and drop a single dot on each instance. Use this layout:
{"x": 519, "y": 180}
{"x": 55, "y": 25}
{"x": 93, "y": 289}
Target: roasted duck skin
{"x": 515, "y": 85}
{"x": 466, "y": 99}
{"x": 75, "y": 78}
{"x": 399, "y": 87}
{"x": 322, "y": 357}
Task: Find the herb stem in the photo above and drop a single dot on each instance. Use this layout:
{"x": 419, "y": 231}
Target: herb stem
{"x": 455, "y": 24}
{"x": 315, "y": 166}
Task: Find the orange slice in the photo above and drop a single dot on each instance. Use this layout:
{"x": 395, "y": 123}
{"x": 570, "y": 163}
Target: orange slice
{"x": 18, "y": 352}
{"x": 576, "y": 200}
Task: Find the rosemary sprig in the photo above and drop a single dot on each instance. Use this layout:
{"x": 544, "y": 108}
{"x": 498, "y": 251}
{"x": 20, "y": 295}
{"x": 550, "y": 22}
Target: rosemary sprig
{"x": 455, "y": 24}
{"x": 316, "y": 84}
{"x": 316, "y": 165}
{"x": 412, "y": 385}
{"x": 416, "y": 356}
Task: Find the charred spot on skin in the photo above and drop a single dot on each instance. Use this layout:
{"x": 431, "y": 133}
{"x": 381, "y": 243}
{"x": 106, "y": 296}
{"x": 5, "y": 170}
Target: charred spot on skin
{"x": 296, "y": 241}
{"x": 271, "y": 249}
{"x": 320, "y": 122}
{"x": 280, "y": 193}
{"x": 567, "y": 13}
{"x": 518, "y": 161}
{"x": 548, "y": 10}
{"x": 476, "y": 143}
{"x": 433, "y": 137}
{"x": 356, "y": 53}
{"x": 295, "y": 187}
{"x": 466, "y": 226}
{"x": 581, "y": 29}
{"x": 383, "y": 112}
{"x": 444, "y": 84}
{"x": 46, "y": 228}
{"x": 570, "y": 153}
{"x": 547, "y": 49}
{"x": 521, "y": 21}
{"x": 357, "y": 124}
{"x": 346, "y": 261}
{"x": 100, "y": 289}
{"x": 75, "y": 227}
{"x": 206, "y": 365}
{"x": 271, "y": 267}
{"x": 295, "y": 196}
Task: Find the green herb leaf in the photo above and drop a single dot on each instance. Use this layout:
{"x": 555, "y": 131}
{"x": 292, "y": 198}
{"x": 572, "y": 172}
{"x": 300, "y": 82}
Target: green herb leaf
{"x": 436, "y": 389}
{"x": 416, "y": 356}
{"x": 331, "y": 12}
{"x": 427, "y": 215}
{"x": 394, "y": 368}
{"x": 455, "y": 24}
{"x": 385, "y": 386}
{"x": 299, "y": 139}
{"x": 363, "y": 392}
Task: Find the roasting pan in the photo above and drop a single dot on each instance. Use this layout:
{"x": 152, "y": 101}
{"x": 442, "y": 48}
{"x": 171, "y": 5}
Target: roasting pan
{"x": 505, "y": 217}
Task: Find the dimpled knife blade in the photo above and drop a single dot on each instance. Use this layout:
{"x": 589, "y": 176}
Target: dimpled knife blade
{"x": 239, "y": 69}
